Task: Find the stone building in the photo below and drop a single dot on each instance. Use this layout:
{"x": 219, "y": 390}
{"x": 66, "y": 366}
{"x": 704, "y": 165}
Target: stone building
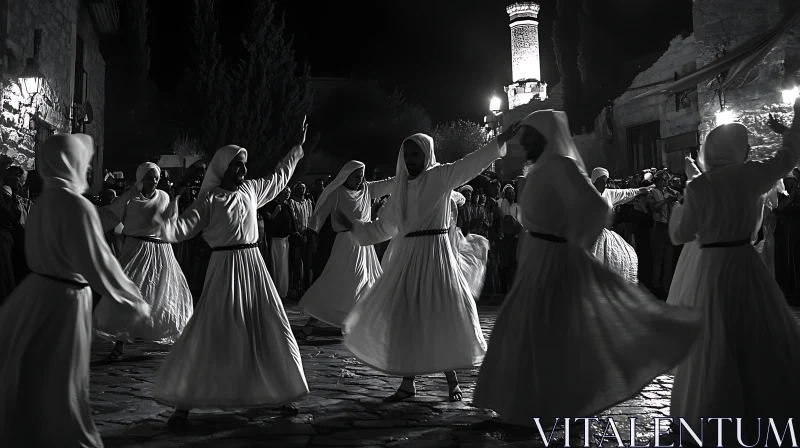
{"x": 61, "y": 38}
{"x": 659, "y": 130}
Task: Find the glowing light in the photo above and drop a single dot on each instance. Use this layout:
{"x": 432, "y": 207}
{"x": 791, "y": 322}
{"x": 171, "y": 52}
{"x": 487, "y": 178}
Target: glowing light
{"x": 31, "y": 85}
{"x": 790, "y": 95}
{"x": 724, "y": 117}
{"x": 494, "y": 105}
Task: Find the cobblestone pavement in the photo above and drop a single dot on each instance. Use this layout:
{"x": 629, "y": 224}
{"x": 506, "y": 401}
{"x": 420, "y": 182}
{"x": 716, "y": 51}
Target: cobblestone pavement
{"x": 343, "y": 409}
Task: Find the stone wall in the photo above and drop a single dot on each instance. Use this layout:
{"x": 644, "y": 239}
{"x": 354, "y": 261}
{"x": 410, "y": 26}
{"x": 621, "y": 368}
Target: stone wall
{"x": 58, "y": 20}
{"x": 724, "y": 25}
{"x": 607, "y": 146}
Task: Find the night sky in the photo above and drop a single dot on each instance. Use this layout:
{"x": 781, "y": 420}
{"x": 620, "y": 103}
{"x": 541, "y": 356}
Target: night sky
{"x": 450, "y": 56}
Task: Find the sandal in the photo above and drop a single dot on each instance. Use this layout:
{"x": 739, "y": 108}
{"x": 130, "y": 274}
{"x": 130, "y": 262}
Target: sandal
{"x": 455, "y": 391}
{"x": 400, "y": 395}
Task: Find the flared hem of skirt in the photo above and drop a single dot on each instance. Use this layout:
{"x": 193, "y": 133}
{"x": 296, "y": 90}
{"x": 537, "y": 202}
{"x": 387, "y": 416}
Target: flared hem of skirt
{"x": 133, "y": 339}
{"x": 417, "y": 373}
{"x": 189, "y": 405}
{"x": 339, "y": 325}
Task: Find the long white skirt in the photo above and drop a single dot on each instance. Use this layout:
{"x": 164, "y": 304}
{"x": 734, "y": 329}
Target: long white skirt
{"x": 279, "y": 255}
{"x": 419, "y": 317}
{"x": 155, "y": 270}
{"x": 350, "y": 272}
{"x": 472, "y": 252}
{"x": 570, "y": 324}
{"x": 45, "y": 349}
{"x": 238, "y": 350}
{"x": 617, "y": 255}
{"x": 748, "y": 361}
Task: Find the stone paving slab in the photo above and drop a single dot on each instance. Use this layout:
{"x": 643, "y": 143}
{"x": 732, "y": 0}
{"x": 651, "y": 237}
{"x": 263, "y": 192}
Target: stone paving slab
{"x": 343, "y": 409}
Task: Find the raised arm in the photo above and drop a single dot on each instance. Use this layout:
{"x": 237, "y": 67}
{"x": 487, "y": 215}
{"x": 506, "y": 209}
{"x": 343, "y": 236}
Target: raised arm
{"x": 322, "y": 211}
{"x": 465, "y": 169}
{"x": 622, "y": 195}
{"x": 113, "y": 214}
{"x": 175, "y": 229}
{"x": 268, "y": 187}
{"x": 762, "y": 175}
{"x": 683, "y": 219}
{"x": 380, "y": 188}
{"x": 92, "y": 258}
{"x": 373, "y": 232}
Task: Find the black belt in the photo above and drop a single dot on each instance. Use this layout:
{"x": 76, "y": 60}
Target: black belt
{"x": 75, "y": 283}
{"x": 726, "y": 244}
{"x": 343, "y": 231}
{"x": 427, "y": 232}
{"x": 234, "y": 247}
{"x": 148, "y": 239}
{"x": 548, "y": 237}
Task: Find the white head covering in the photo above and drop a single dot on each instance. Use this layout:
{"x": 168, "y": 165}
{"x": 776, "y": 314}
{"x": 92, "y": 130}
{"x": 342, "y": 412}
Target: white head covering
{"x": 555, "y": 128}
{"x": 340, "y": 179}
{"x": 724, "y": 145}
{"x": 465, "y": 188}
{"x": 143, "y": 170}
{"x": 599, "y": 172}
{"x": 64, "y": 160}
{"x": 219, "y": 164}
{"x": 398, "y": 200}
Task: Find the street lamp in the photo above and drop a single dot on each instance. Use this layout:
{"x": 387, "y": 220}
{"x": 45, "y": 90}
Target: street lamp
{"x": 30, "y": 77}
{"x": 725, "y": 116}
{"x": 790, "y": 95}
{"x": 494, "y": 105}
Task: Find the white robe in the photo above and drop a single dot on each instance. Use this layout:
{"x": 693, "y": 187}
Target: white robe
{"x": 238, "y": 350}
{"x": 420, "y": 316}
{"x": 472, "y": 251}
{"x": 152, "y": 267}
{"x": 610, "y": 248}
{"x": 279, "y": 256}
{"x": 749, "y": 357}
{"x": 568, "y": 323}
{"x": 46, "y": 328}
{"x": 352, "y": 269}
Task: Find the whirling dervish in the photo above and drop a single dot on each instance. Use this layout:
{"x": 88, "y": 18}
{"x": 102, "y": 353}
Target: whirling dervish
{"x": 420, "y": 317}
{"x": 46, "y": 323}
{"x": 351, "y": 269}
{"x": 238, "y": 350}
{"x": 749, "y": 358}
{"x": 472, "y": 251}
{"x": 568, "y": 323}
{"x": 149, "y": 262}
{"x": 610, "y": 248}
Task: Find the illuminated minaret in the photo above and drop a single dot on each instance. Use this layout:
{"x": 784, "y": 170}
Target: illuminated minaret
{"x": 525, "y": 66}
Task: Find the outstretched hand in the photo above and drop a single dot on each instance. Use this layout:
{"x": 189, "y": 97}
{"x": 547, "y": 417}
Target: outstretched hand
{"x": 775, "y": 125}
{"x": 509, "y": 133}
{"x": 305, "y": 131}
{"x": 645, "y": 190}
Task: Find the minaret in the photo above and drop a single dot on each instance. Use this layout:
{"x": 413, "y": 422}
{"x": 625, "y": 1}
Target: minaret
{"x": 525, "y": 66}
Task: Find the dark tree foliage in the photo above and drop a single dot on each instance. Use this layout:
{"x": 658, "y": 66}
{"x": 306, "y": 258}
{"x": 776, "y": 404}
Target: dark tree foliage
{"x": 456, "y": 139}
{"x": 131, "y": 105}
{"x": 257, "y": 101}
{"x": 566, "y": 42}
{"x": 359, "y": 120}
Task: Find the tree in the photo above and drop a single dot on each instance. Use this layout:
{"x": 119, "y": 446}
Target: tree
{"x": 257, "y": 101}
{"x": 456, "y": 139}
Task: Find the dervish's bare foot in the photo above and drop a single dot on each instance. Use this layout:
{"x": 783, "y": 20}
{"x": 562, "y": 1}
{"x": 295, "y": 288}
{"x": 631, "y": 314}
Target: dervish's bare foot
{"x": 400, "y": 395}
{"x": 455, "y": 391}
